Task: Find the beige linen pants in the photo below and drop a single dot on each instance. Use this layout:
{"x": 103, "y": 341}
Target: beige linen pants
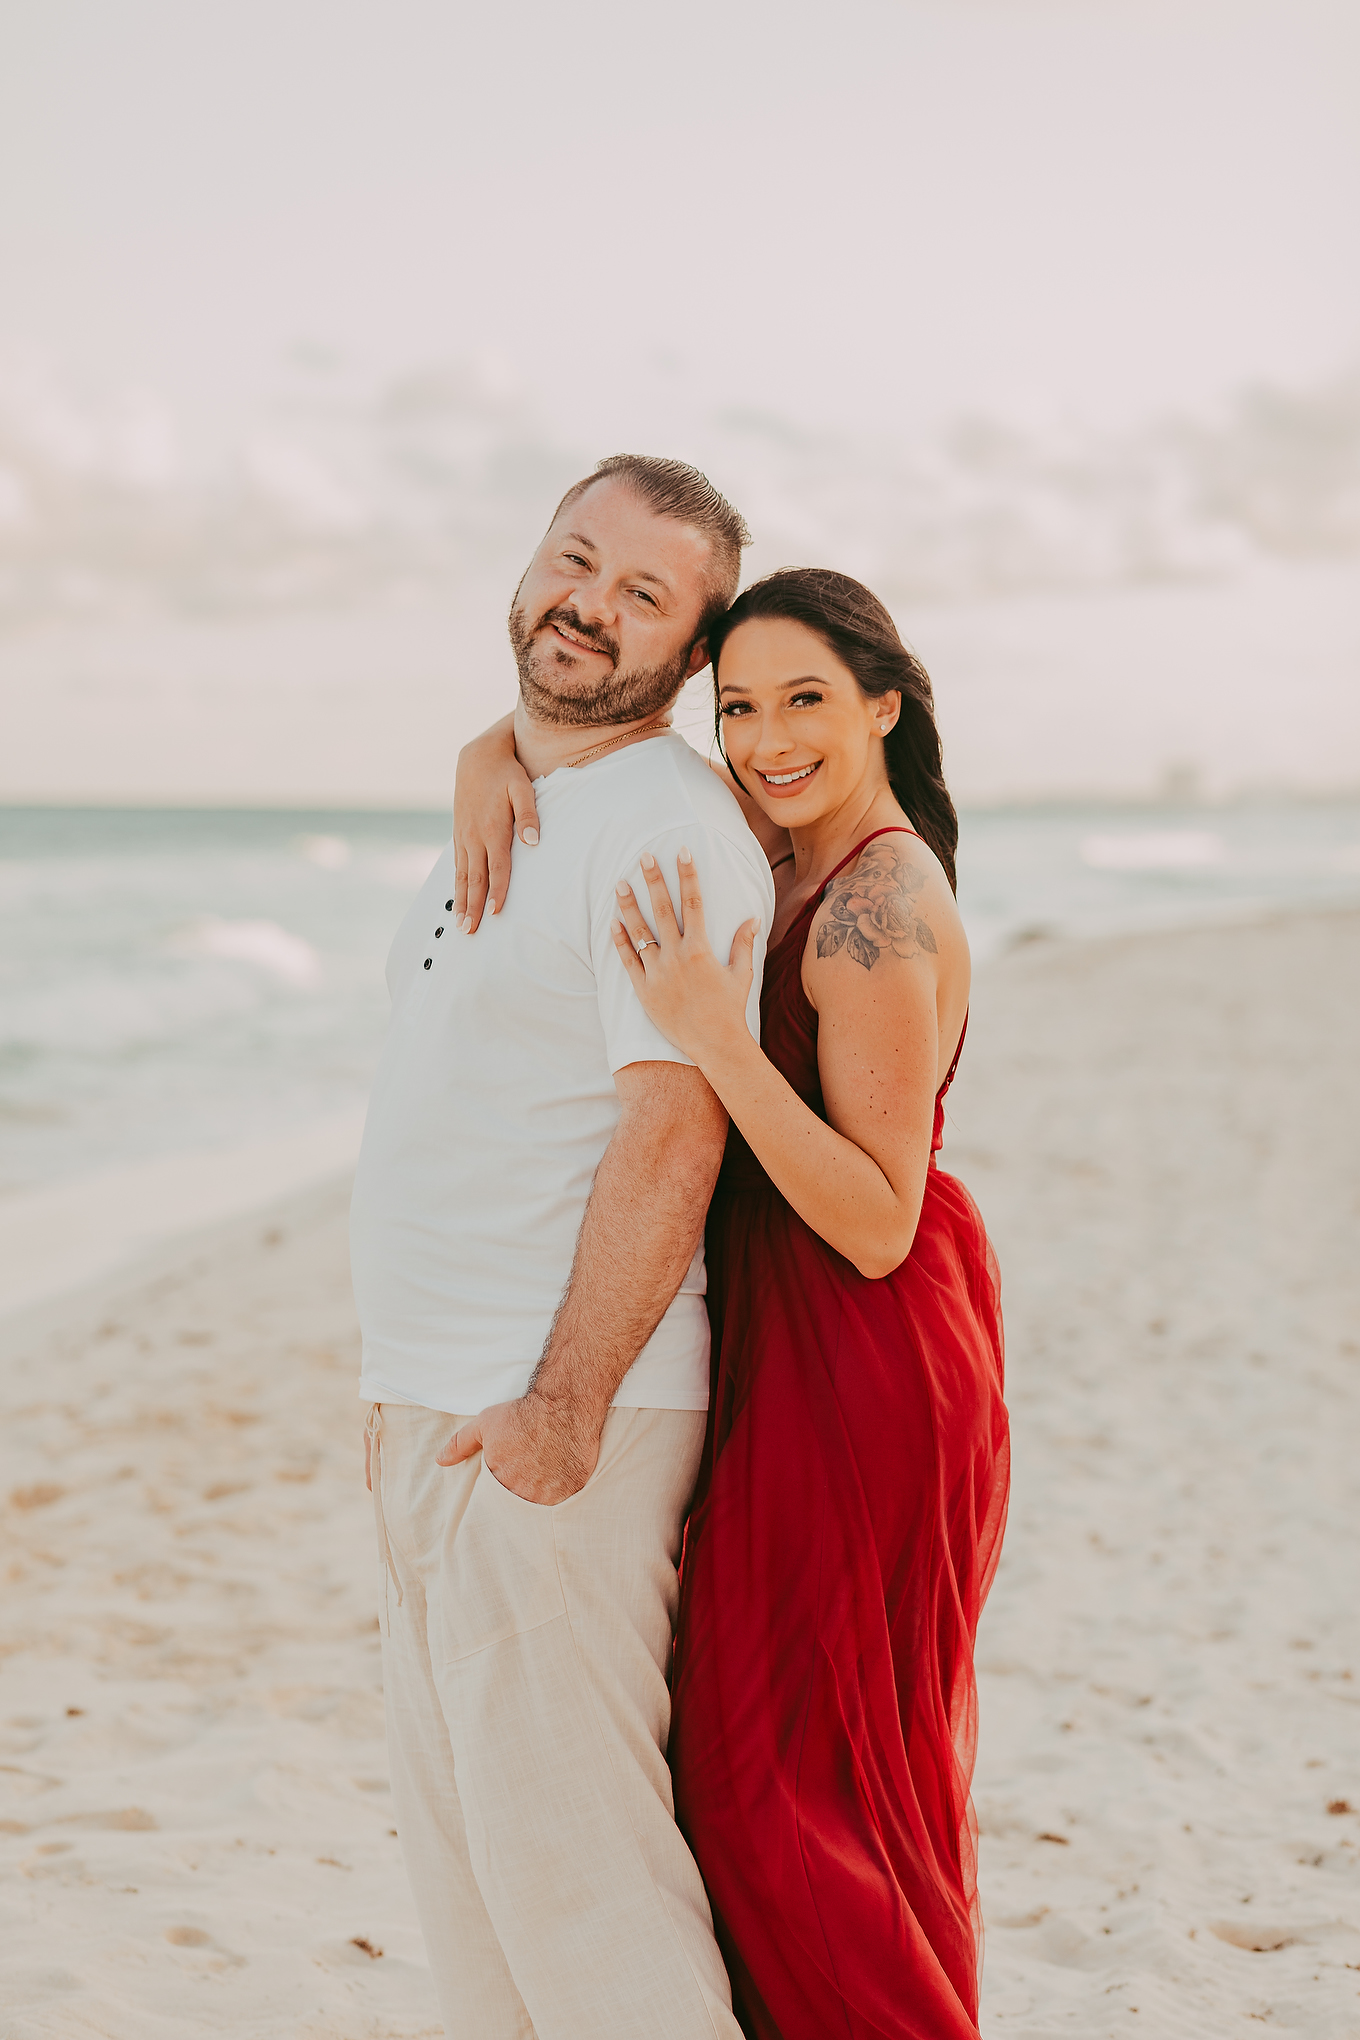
{"x": 525, "y": 1659}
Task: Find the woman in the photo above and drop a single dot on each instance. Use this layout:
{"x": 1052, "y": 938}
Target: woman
{"x": 853, "y": 1492}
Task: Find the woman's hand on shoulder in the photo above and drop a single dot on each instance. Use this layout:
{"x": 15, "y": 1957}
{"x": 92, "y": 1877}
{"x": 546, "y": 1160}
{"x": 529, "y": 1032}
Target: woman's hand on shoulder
{"x": 493, "y": 800}
{"x": 698, "y": 1003}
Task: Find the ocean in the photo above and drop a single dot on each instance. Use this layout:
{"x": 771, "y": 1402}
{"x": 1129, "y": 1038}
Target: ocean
{"x": 189, "y": 980}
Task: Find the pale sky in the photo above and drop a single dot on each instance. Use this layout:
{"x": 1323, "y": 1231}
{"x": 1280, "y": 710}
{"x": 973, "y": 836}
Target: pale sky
{"x": 790, "y": 243}
{"x": 866, "y": 215}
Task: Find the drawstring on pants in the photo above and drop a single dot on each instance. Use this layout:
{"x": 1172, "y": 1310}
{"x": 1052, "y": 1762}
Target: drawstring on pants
{"x": 373, "y": 1432}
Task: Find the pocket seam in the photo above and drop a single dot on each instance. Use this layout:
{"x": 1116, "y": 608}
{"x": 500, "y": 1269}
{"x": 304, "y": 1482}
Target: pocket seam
{"x": 540, "y": 1508}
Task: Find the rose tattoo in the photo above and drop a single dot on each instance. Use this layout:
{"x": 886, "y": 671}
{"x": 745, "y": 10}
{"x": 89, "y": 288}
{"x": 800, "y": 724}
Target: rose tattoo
{"x": 872, "y": 910}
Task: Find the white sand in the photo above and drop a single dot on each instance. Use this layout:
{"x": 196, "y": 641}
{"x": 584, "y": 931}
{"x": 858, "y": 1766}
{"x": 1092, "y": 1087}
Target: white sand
{"x": 1164, "y": 1136}
{"x": 56, "y": 1240}
{"x": 190, "y": 1565}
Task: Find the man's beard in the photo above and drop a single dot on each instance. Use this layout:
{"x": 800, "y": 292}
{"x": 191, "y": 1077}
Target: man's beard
{"x": 554, "y": 693}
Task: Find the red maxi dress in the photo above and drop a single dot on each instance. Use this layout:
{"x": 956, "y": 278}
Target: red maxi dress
{"x": 846, "y": 1529}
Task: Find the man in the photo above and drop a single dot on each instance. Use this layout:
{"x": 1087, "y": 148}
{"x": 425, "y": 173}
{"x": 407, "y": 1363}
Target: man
{"x": 527, "y": 1247}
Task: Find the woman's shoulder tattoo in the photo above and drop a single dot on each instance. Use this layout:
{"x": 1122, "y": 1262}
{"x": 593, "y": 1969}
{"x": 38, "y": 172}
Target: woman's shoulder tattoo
{"x": 872, "y": 910}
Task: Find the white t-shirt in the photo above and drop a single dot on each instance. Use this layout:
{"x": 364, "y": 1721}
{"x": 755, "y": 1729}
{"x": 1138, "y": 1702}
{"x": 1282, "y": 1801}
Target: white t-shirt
{"x": 494, "y": 1098}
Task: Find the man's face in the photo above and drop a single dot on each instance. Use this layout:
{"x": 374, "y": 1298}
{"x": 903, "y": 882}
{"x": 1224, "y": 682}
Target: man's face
{"x": 604, "y": 622}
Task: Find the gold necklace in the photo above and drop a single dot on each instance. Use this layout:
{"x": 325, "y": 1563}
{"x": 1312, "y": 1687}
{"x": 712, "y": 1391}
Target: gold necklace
{"x": 643, "y": 729}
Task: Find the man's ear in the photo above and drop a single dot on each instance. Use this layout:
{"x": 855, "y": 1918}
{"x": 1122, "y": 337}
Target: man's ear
{"x": 698, "y": 659}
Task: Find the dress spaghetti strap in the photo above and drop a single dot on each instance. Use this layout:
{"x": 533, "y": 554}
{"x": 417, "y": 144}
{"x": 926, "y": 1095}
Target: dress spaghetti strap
{"x": 892, "y": 829}
{"x": 811, "y": 904}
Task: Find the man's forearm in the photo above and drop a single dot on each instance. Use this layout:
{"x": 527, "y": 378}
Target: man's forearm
{"x": 640, "y": 1230}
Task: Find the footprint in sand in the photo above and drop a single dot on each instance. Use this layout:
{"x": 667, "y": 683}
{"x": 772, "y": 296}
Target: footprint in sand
{"x": 195, "y": 1937}
{"x": 1256, "y": 1939}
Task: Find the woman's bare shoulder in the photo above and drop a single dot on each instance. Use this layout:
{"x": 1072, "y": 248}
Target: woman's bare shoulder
{"x": 893, "y": 901}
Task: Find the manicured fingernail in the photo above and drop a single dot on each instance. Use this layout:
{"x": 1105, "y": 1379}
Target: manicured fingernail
{"x": 623, "y": 891}
{"x": 464, "y": 923}
{"x": 685, "y": 857}
{"x": 493, "y": 906}
{"x": 648, "y": 861}
{"x": 616, "y": 927}
{"x": 530, "y": 835}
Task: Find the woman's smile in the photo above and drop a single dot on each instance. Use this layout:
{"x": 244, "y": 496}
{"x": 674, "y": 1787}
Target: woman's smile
{"x": 782, "y": 784}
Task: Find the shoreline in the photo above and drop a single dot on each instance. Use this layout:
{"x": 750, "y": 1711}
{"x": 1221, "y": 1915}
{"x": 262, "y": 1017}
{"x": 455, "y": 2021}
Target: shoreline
{"x": 1163, "y": 1135}
{"x": 56, "y": 1241}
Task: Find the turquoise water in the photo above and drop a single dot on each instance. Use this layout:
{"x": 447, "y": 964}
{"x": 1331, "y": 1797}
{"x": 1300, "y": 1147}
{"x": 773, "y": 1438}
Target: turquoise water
{"x": 185, "y": 979}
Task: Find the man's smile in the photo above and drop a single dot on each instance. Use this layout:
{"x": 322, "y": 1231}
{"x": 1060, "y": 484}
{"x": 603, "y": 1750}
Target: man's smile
{"x": 578, "y": 644}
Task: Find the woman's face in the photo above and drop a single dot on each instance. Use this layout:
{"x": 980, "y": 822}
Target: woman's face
{"x": 801, "y": 735}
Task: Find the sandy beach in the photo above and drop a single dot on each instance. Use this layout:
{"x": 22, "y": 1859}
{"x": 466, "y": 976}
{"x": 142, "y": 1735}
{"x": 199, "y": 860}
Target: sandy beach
{"x": 1164, "y": 1135}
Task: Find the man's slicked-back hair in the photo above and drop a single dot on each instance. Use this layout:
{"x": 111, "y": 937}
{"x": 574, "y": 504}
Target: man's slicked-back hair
{"x": 672, "y": 488}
